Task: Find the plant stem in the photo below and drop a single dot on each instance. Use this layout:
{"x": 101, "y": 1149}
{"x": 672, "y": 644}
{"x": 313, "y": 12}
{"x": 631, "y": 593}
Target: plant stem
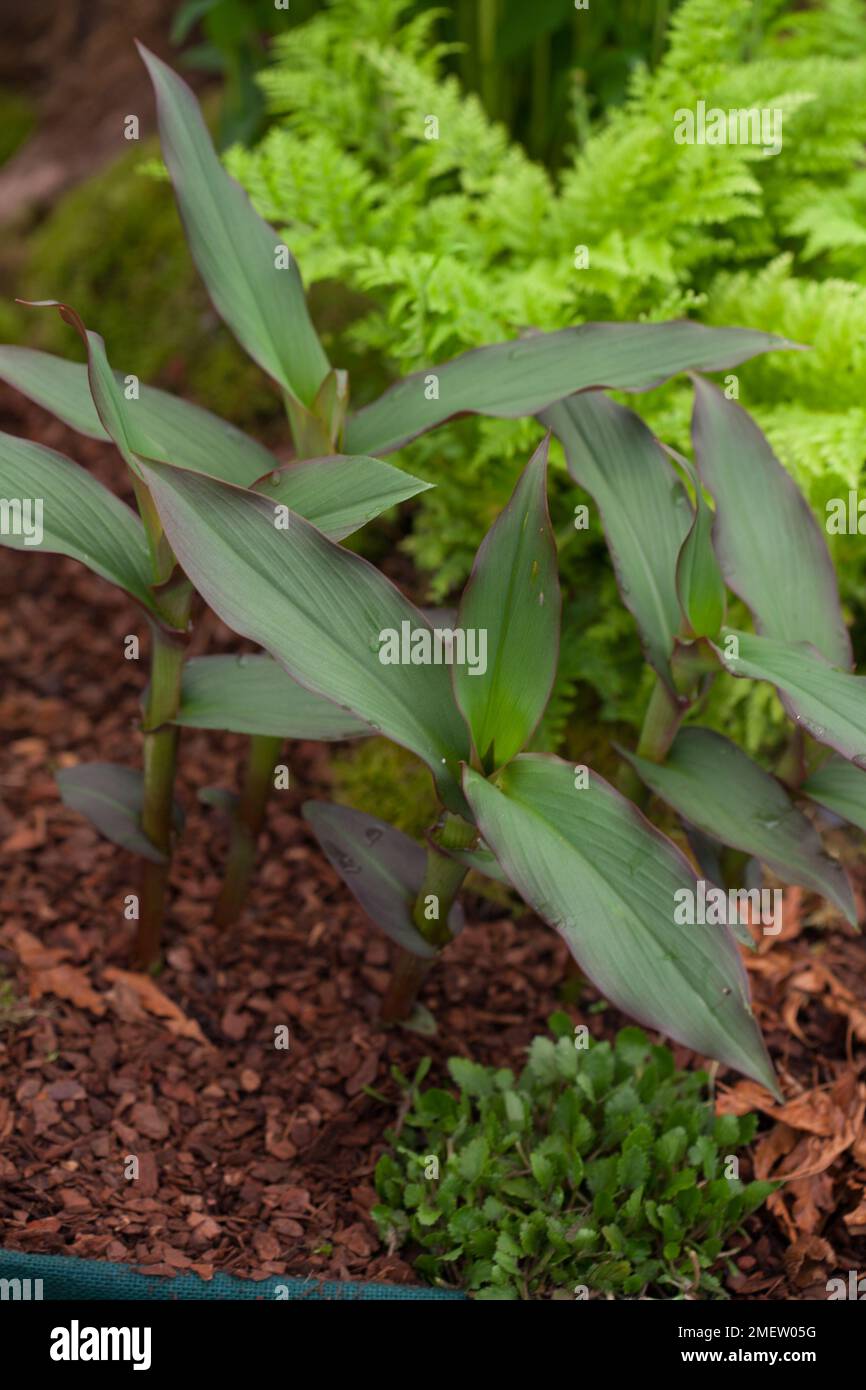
{"x": 660, "y": 724}
{"x": 247, "y": 821}
{"x": 167, "y": 654}
{"x": 443, "y": 878}
{"x": 661, "y": 721}
{"x": 410, "y": 972}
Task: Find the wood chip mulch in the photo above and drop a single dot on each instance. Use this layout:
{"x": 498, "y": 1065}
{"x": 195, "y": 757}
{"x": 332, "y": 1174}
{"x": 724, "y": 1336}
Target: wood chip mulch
{"x": 255, "y": 1160}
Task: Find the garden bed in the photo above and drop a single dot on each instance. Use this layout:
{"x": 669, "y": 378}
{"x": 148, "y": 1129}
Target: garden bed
{"x": 256, "y": 1161}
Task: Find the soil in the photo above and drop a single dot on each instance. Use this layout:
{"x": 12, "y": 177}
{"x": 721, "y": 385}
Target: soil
{"x": 259, "y": 1161}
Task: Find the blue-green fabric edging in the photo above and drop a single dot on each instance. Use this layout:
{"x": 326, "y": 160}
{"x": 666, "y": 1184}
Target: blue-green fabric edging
{"x": 72, "y": 1280}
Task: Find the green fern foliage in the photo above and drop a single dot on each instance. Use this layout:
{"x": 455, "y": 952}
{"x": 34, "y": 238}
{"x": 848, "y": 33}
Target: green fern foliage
{"x": 386, "y": 177}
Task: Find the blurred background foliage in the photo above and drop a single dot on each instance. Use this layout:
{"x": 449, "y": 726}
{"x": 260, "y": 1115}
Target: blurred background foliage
{"x": 555, "y": 132}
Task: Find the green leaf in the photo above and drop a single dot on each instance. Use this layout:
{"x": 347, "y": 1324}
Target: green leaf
{"x": 254, "y": 695}
{"x": 317, "y": 608}
{"x": 235, "y": 251}
{"x": 509, "y": 380}
{"x": 80, "y": 517}
{"x": 471, "y": 1077}
{"x": 840, "y": 787}
{"x": 481, "y": 860}
{"x": 383, "y": 868}
{"x": 717, "y": 787}
{"x": 827, "y": 703}
{"x": 513, "y": 599}
{"x": 470, "y": 1164}
{"x": 591, "y": 865}
{"x": 768, "y": 543}
{"x": 340, "y": 492}
{"x": 111, "y": 798}
{"x": 643, "y": 506}
{"x": 160, "y": 426}
{"x": 700, "y": 587}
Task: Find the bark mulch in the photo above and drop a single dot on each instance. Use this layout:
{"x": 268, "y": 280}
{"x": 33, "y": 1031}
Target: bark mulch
{"x": 255, "y": 1160}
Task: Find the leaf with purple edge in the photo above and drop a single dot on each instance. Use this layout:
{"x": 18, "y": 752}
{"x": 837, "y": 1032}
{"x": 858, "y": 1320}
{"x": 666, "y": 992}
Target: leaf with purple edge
{"x": 827, "y": 703}
{"x": 643, "y": 506}
{"x": 111, "y": 798}
{"x": 718, "y": 788}
{"x": 590, "y": 864}
{"x": 383, "y": 868}
{"x": 260, "y": 298}
{"x": 770, "y": 548}
{"x": 320, "y": 610}
{"x": 513, "y": 599}
{"x": 508, "y": 380}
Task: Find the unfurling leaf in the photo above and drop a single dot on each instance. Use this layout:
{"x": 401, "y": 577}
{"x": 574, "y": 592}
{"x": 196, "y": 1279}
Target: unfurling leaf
{"x": 511, "y": 605}
{"x": 700, "y": 586}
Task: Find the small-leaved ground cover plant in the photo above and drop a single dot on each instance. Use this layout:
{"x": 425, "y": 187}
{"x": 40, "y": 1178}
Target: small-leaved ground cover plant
{"x": 336, "y": 482}
{"x": 600, "y": 1170}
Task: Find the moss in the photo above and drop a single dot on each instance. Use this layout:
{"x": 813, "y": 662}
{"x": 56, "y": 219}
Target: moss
{"x": 385, "y": 781}
{"x": 17, "y": 119}
{"x": 114, "y": 248}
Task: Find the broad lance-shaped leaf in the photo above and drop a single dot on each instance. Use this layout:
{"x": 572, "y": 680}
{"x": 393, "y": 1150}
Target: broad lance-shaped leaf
{"x": 644, "y": 509}
{"x": 341, "y": 492}
{"x": 591, "y": 865}
{"x": 75, "y": 514}
{"x": 330, "y": 618}
{"x": 510, "y": 611}
{"x": 526, "y": 376}
{"x": 382, "y": 866}
{"x": 111, "y": 798}
{"x": 840, "y": 787}
{"x": 254, "y": 284}
{"x": 160, "y": 426}
{"x": 769, "y": 546}
{"x": 338, "y": 493}
{"x": 700, "y": 587}
{"x": 254, "y": 695}
{"x": 717, "y": 787}
{"x": 829, "y": 704}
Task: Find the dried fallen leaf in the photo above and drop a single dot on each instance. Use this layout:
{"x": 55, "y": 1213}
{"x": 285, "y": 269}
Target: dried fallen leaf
{"x": 156, "y": 1002}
